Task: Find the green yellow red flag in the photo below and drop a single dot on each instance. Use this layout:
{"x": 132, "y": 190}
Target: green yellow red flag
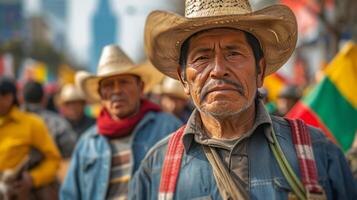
{"x": 332, "y": 104}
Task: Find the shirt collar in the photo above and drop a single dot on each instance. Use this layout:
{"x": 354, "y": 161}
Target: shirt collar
{"x": 194, "y": 126}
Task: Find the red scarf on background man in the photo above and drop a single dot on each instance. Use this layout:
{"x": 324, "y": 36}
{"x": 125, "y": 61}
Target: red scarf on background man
{"x": 115, "y": 129}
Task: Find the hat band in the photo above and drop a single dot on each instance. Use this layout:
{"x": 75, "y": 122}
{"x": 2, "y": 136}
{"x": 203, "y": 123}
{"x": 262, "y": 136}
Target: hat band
{"x": 211, "y": 8}
{"x": 220, "y": 12}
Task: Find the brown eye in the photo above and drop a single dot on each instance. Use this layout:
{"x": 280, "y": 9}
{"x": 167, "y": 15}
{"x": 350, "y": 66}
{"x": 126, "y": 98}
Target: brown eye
{"x": 234, "y": 53}
{"x": 201, "y": 58}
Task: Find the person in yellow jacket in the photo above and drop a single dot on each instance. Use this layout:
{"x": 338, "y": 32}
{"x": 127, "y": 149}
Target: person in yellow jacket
{"x": 20, "y": 132}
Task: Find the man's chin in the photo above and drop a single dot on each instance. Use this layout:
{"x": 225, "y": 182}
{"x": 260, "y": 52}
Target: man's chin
{"x": 224, "y": 109}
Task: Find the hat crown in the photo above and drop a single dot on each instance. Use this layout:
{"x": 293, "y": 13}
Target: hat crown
{"x": 211, "y": 8}
{"x": 71, "y": 92}
{"x": 173, "y": 87}
{"x": 113, "y": 59}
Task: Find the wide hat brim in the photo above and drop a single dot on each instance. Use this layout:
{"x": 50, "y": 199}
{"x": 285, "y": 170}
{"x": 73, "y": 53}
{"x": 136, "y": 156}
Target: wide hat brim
{"x": 148, "y": 74}
{"x": 275, "y": 27}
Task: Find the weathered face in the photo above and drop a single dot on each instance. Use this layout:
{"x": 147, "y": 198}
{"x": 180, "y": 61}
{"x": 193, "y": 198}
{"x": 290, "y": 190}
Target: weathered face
{"x": 221, "y": 72}
{"x": 121, "y": 95}
{"x": 73, "y": 110}
{"x": 6, "y": 102}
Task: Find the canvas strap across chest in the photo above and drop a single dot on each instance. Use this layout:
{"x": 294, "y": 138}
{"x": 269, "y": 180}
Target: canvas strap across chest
{"x": 302, "y": 144}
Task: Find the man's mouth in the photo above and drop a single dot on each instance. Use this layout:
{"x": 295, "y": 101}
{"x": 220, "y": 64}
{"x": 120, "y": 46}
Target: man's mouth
{"x": 117, "y": 99}
{"x": 221, "y": 86}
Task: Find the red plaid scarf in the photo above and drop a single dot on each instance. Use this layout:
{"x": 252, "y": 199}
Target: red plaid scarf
{"x": 111, "y": 128}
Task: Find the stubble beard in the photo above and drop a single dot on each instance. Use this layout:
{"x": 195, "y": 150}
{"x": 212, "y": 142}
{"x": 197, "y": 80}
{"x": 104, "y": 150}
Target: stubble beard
{"x": 224, "y": 113}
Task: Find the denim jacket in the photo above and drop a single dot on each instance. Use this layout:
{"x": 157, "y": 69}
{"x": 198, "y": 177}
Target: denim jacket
{"x": 266, "y": 181}
{"x": 89, "y": 171}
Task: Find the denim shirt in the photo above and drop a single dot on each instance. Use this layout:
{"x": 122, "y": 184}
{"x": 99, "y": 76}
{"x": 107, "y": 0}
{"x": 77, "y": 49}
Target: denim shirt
{"x": 89, "y": 171}
{"x": 266, "y": 181}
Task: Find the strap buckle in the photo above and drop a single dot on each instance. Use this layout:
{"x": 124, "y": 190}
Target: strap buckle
{"x": 315, "y": 195}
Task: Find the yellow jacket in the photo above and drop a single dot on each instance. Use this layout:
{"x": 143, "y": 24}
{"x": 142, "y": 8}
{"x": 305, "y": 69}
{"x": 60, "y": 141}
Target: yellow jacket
{"x": 19, "y": 131}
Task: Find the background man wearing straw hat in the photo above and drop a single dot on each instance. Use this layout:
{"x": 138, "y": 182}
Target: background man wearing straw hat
{"x": 72, "y": 103}
{"x": 127, "y": 127}
{"x": 174, "y": 100}
{"x": 231, "y": 148}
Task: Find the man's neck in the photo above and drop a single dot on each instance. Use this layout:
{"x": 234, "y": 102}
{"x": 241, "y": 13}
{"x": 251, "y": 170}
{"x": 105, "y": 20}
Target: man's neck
{"x": 229, "y": 127}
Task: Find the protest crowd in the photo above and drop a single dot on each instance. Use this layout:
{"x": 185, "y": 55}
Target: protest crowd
{"x": 206, "y": 115}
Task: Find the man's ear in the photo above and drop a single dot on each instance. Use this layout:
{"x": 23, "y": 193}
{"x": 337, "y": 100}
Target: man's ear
{"x": 261, "y": 74}
{"x": 184, "y": 83}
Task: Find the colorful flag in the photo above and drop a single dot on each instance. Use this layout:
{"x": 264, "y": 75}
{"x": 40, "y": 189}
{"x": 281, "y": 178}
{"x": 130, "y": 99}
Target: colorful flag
{"x": 6, "y": 65}
{"x": 274, "y": 84}
{"x": 65, "y": 74}
{"x": 332, "y": 104}
{"x": 34, "y": 70}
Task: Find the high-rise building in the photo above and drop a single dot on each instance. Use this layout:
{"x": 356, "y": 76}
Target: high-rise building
{"x": 55, "y": 14}
{"x": 10, "y": 19}
{"x": 104, "y": 31}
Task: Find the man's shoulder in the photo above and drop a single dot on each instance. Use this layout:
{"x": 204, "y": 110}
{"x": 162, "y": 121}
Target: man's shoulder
{"x": 316, "y": 134}
{"x": 90, "y": 132}
{"x": 88, "y": 140}
{"x": 53, "y": 116}
{"x": 32, "y": 118}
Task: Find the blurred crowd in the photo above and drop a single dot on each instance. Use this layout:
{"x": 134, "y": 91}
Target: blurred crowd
{"x": 86, "y": 139}
{"x": 54, "y": 122}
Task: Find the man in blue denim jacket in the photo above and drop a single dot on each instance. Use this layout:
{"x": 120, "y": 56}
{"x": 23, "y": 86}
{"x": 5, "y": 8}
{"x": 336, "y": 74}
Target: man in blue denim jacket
{"x": 127, "y": 127}
{"x": 221, "y": 51}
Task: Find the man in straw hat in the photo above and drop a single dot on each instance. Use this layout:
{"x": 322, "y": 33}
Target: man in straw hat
{"x": 127, "y": 127}
{"x": 72, "y": 103}
{"x": 174, "y": 100}
{"x": 231, "y": 148}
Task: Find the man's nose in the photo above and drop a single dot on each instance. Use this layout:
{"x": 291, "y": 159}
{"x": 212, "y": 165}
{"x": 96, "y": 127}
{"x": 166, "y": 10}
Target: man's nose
{"x": 116, "y": 87}
{"x": 219, "y": 68}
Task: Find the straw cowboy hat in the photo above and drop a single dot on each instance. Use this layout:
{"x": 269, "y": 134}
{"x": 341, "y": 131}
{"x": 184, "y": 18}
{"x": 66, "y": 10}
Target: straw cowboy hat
{"x": 114, "y": 61}
{"x": 275, "y": 28}
{"x": 173, "y": 87}
{"x": 70, "y": 92}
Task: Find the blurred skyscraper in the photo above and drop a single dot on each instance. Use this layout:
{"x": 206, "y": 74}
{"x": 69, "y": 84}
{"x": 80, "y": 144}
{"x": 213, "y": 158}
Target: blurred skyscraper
{"x": 55, "y": 14}
{"x": 10, "y": 19}
{"x": 104, "y": 31}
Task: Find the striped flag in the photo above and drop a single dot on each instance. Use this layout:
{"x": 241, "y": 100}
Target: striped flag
{"x": 332, "y": 104}
{"x": 6, "y": 65}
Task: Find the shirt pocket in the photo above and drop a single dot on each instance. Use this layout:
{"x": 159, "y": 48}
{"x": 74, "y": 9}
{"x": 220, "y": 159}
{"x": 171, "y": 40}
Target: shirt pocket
{"x": 88, "y": 163}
